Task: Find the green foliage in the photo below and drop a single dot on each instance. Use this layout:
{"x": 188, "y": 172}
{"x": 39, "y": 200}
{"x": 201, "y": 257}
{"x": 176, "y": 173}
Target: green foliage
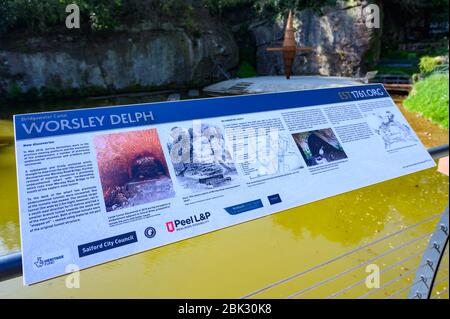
{"x": 246, "y": 70}
{"x": 219, "y": 5}
{"x": 33, "y": 14}
{"x": 103, "y": 14}
{"x": 428, "y": 64}
{"x": 284, "y": 5}
{"x": 382, "y": 69}
{"x": 7, "y": 15}
{"x": 407, "y": 55}
{"x": 41, "y": 15}
{"x": 273, "y": 6}
{"x": 168, "y": 7}
{"x": 417, "y": 5}
{"x": 410, "y": 55}
{"x": 430, "y": 98}
{"x": 439, "y": 51}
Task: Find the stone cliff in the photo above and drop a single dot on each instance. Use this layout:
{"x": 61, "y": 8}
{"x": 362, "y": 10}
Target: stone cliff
{"x": 159, "y": 52}
{"x": 183, "y": 51}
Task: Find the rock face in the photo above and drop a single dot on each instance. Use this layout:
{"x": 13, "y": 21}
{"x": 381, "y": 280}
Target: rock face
{"x": 343, "y": 45}
{"x": 155, "y": 53}
{"x": 180, "y": 51}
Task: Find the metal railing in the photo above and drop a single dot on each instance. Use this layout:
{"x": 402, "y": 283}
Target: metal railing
{"x": 431, "y": 260}
{"x": 11, "y": 265}
{"x": 349, "y": 253}
{"x": 436, "y": 153}
{"x": 439, "y": 151}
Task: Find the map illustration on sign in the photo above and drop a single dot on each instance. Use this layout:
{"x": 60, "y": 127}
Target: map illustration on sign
{"x": 390, "y": 129}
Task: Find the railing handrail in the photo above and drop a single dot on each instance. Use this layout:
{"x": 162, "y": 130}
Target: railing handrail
{"x": 439, "y": 151}
{"x": 10, "y": 266}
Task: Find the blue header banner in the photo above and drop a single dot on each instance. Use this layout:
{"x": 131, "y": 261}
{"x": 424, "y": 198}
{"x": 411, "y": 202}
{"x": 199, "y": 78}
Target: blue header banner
{"x": 38, "y": 125}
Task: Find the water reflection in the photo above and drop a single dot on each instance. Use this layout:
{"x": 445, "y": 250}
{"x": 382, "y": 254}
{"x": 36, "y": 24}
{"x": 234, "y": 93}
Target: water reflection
{"x": 359, "y": 215}
{"x": 7, "y": 110}
{"x": 9, "y": 237}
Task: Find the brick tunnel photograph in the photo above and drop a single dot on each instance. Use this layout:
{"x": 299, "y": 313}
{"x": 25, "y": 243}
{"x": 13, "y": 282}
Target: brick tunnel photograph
{"x": 132, "y": 169}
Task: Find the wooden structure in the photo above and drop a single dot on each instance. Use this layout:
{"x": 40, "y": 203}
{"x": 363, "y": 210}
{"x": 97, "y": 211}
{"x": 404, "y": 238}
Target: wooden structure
{"x": 289, "y": 47}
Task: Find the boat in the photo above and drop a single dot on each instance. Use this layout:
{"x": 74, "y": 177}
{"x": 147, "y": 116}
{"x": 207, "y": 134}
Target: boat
{"x": 268, "y": 84}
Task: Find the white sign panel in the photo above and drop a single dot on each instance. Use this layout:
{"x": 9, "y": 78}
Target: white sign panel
{"x": 100, "y": 184}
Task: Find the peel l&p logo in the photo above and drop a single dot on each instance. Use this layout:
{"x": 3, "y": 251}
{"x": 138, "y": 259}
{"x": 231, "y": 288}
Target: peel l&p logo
{"x": 170, "y": 227}
{"x": 194, "y": 220}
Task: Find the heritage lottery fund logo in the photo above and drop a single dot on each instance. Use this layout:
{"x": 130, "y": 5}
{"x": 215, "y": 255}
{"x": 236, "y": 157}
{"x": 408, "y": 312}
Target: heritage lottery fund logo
{"x": 41, "y": 262}
{"x": 150, "y": 232}
{"x": 192, "y": 221}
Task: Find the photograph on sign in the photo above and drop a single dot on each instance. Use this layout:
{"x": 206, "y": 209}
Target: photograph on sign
{"x": 319, "y": 147}
{"x": 200, "y": 157}
{"x": 132, "y": 168}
